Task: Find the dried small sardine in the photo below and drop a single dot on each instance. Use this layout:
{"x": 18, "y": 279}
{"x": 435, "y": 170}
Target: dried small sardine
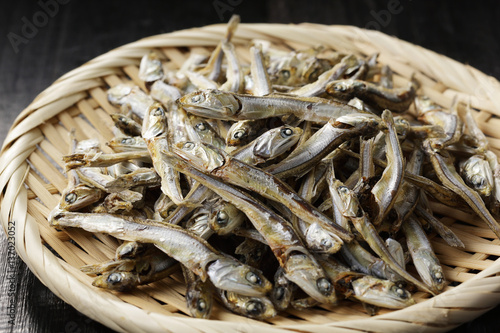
{"x": 424, "y": 258}
{"x": 224, "y": 272}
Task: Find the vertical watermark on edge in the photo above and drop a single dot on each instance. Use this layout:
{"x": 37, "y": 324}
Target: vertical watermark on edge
{"x": 11, "y": 272}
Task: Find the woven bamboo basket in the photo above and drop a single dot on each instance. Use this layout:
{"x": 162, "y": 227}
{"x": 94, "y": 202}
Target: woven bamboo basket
{"x": 32, "y": 178}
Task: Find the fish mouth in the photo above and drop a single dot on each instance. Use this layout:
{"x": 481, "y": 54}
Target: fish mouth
{"x": 204, "y": 111}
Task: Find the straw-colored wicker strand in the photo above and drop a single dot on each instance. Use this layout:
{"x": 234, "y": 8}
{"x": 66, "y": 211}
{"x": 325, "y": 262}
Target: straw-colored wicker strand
{"x": 443, "y": 312}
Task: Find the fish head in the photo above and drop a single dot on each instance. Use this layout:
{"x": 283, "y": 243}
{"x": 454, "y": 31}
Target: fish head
{"x": 283, "y": 70}
{"x": 201, "y": 156}
{"x": 150, "y": 68}
{"x": 281, "y": 296}
{"x": 303, "y": 270}
{"x": 276, "y": 141}
{"x": 199, "y": 125}
{"x": 282, "y": 292}
{"x": 379, "y": 292}
{"x": 430, "y": 271}
{"x": 320, "y": 240}
{"x": 476, "y": 172}
{"x": 127, "y": 140}
{"x": 253, "y": 307}
{"x": 120, "y": 118}
{"x": 424, "y": 104}
{"x": 313, "y": 68}
{"x": 210, "y": 103}
{"x": 88, "y": 146}
{"x": 402, "y": 127}
{"x": 350, "y": 204}
{"x": 238, "y": 133}
{"x": 79, "y": 196}
{"x": 344, "y": 89}
{"x": 116, "y": 281}
{"x": 129, "y": 249}
{"x": 361, "y": 120}
{"x": 229, "y": 274}
{"x": 225, "y": 217}
{"x": 200, "y": 301}
{"x": 155, "y": 122}
{"x": 117, "y": 94}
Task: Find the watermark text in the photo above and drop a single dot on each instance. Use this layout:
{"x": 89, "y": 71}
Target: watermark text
{"x": 223, "y": 6}
{"x": 32, "y": 25}
{"x": 11, "y": 272}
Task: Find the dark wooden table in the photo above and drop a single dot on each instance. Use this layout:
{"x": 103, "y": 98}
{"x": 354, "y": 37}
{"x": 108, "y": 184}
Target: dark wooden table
{"x": 41, "y": 40}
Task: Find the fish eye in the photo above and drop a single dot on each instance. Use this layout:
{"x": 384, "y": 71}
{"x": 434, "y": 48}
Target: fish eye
{"x": 324, "y": 286}
{"x": 340, "y": 87}
{"x": 201, "y": 305}
{"x": 158, "y": 112}
{"x": 70, "y": 198}
{"x": 239, "y": 134}
{"x": 314, "y": 75}
{"x": 200, "y": 126}
{"x": 279, "y": 293}
{"x": 188, "y": 145}
{"x": 286, "y": 132}
{"x": 326, "y": 242}
{"x": 343, "y": 189}
{"x": 478, "y": 181}
{"x": 114, "y": 278}
{"x": 197, "y": 98}
{"x": 254, "y": 307}
{"x": 253, "y": 278}
{"x": 285, "y": 74}
{"x": 402, "y": 121}
{"x": 438, "y": 277}
{"x": 222, "y": 218}
{"x": 400, "y": 292}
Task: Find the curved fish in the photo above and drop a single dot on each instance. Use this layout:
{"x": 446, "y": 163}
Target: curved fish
{"x": 385, "y": 191}
{"x": 424, "y": 258}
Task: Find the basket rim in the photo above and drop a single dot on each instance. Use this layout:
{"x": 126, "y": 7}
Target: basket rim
{"x": 24, "y": 135}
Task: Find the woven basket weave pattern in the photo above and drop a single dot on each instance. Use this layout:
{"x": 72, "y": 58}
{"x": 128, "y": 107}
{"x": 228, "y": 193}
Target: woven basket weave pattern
{"x": 32, "y": 178}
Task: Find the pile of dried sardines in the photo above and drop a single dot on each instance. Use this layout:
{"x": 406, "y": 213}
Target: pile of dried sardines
{"x": 299, "y": 179}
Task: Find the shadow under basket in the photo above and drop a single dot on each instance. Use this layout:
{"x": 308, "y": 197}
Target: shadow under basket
{"x": 32, "y": 179}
